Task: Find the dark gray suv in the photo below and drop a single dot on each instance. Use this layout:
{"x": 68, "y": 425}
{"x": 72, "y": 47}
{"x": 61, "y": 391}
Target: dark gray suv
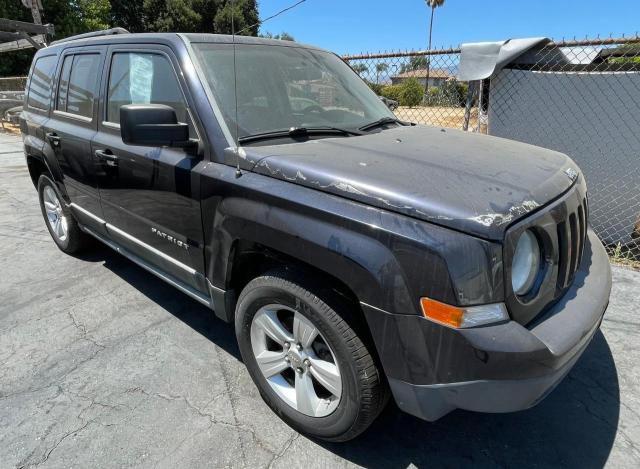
{"x": 359, "y": 257}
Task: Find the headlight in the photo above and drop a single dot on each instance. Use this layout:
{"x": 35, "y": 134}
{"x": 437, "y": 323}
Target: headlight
{"x": 525, "y": 264}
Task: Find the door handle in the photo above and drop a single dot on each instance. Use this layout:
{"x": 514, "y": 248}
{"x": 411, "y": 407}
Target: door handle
{"x": 53, "y": 138}
{"x": 109, "y": 158}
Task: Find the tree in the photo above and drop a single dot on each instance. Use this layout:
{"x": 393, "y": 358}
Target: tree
{"x": 68, "y": 17}
{"x": 80, "y": 16}
{"x": 283, "y": 36}
{"x": 360, "y": 68}
{"x": 95, "y": 14}
{"x": 171, "y": 15}
{"x": 15, "y": 63}
{"x": 245, "y": 17}
{"x": 195, "y": 16}
{"x": 128, "y": 14}
{"x": 381, "y": 67}
{"x": 415, "y": 63}
{"x": 626, "y": 54}
{"x": 433, "y": 4}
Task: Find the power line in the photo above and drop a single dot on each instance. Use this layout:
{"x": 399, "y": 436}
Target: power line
{"x": 290, "y": 7}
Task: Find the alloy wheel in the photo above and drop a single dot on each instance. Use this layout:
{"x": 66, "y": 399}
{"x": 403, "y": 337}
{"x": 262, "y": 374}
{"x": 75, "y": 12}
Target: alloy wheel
{"x": 55, "y": 216}
{"x": 296, "y": 360}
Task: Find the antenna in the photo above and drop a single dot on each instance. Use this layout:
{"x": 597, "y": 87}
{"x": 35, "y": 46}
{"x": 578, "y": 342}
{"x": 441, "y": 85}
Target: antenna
{"x": 235, "y": 85}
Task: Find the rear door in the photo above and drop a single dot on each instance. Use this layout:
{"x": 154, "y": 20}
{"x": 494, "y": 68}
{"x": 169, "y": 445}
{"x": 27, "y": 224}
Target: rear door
{"x": 150, "y": 195}
{"x": 38, "y": 104}
{"x": 72, "y": 126}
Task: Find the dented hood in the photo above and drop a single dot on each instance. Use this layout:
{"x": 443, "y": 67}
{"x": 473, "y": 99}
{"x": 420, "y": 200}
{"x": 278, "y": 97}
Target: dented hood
{"x": 473, "y": 183}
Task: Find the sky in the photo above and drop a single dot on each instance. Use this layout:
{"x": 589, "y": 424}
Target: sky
{"x": 355, "y": 26}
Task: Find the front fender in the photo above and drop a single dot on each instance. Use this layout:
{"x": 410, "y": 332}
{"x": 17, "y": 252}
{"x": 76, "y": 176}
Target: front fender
{"x": 388, "y": 260}
{"x": 363, "y": 263}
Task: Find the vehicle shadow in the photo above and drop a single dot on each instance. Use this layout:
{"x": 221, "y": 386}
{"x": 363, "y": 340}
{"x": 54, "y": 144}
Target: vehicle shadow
{"x": 574, "y": 426}
{"x": 189, "y": 311}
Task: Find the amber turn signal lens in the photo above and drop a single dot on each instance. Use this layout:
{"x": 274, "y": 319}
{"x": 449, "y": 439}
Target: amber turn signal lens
{"x": 441, "y": 312}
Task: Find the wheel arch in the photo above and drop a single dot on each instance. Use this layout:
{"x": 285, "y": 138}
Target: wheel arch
{"x": 250, "y": 260}
{"x": 37, "y": 167}
{"x": 42, "y": 164}
{"x": 250, "y": 237}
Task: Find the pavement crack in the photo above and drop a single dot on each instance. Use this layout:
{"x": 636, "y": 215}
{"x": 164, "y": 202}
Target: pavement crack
{"x": 83, "y": 331}
{"x": 285, "y": 448}
{"x": 225, "y": 380}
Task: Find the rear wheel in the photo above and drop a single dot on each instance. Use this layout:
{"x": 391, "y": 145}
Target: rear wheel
{"x": 303, "y": 353}
{"x": 60, "y": 222}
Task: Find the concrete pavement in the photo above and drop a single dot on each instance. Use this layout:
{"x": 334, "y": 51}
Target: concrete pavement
{"x": 103, "y": 365}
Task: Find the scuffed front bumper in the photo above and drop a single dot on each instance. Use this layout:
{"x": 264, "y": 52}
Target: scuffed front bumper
{"x": 433, "y": 369}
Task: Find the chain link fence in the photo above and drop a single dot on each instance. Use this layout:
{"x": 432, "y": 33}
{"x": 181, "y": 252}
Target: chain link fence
{"x": 578, "y": 97}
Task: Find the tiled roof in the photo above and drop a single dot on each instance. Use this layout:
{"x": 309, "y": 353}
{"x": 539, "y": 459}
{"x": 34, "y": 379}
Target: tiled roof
{"x": 422, "y": 73}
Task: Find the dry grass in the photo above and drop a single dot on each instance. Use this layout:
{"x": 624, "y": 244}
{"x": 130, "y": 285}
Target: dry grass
{"x": 439, "y": 116}
{"x": 624, "y": 256}
{"x": 6, "y": 127}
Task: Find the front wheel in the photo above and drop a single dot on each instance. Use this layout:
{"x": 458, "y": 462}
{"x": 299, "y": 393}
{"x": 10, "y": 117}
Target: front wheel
{"x": 303, "y": 353}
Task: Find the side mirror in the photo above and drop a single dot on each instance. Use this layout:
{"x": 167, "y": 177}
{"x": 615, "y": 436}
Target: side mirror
{"x": 153, "y": 125}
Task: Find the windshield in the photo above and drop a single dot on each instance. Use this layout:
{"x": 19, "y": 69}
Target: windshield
{"x": 280, "y": 87}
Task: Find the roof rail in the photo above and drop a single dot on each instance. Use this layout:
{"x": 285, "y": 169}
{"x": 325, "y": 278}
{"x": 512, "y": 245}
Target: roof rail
{"x": 104, "y": 32}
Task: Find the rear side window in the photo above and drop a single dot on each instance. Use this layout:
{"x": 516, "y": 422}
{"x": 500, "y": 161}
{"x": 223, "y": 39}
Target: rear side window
{"x": 40, "y": 82}
{"x": 78, "y": 84}
{"x": 139, "y": 78}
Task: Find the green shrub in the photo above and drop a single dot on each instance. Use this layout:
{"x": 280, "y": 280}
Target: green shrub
{"x": 391, "y": 92}
{"x": 451, "y": 93}
{"x": 412, "y": 93}
{"x": 376, "y": 87}
{"x": 434, "y": 92}
{"x": 455, "y": 92}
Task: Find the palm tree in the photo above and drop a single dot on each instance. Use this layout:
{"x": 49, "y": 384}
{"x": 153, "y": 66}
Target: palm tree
{"x": 381, "y": 67}
{"x": 433, "y": 4}
{"x": 360, "y": 68}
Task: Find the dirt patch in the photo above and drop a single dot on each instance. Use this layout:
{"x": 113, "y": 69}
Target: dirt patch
{"x": 439, "y": 116}
{"x": 9, "y": 128}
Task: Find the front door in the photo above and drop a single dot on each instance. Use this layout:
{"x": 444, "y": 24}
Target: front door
{"x": 150, "y": 195}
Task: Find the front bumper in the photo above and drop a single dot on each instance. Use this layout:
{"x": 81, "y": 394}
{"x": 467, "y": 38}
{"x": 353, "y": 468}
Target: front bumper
{"x": 433, "y": 369}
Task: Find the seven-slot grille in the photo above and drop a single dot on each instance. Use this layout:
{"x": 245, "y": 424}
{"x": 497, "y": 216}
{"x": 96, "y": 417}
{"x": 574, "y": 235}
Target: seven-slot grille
{"x": 562, "y": 230}
{"x": 571, "y": 233}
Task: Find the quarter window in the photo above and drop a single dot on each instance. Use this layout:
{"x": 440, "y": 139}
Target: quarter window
{"x": 40, "y": 82}
{"x": 63, "y": 87}
{"x": 139, "y": 78}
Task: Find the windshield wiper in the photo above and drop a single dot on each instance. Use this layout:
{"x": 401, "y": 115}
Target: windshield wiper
{"x": 383, "y": 121}
{"x": 296, "y": 132}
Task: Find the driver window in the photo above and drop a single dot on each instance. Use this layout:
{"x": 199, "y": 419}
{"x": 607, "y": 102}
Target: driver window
{"x": 141, "y": 78}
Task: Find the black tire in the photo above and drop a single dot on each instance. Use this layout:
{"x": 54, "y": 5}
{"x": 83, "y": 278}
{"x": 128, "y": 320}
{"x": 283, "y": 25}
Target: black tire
{"x": 364, "y": 389}
{"x": 75, "y": 240}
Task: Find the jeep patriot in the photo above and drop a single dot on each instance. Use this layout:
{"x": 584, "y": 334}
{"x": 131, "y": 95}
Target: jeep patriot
{"x": 358, "y": 256}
